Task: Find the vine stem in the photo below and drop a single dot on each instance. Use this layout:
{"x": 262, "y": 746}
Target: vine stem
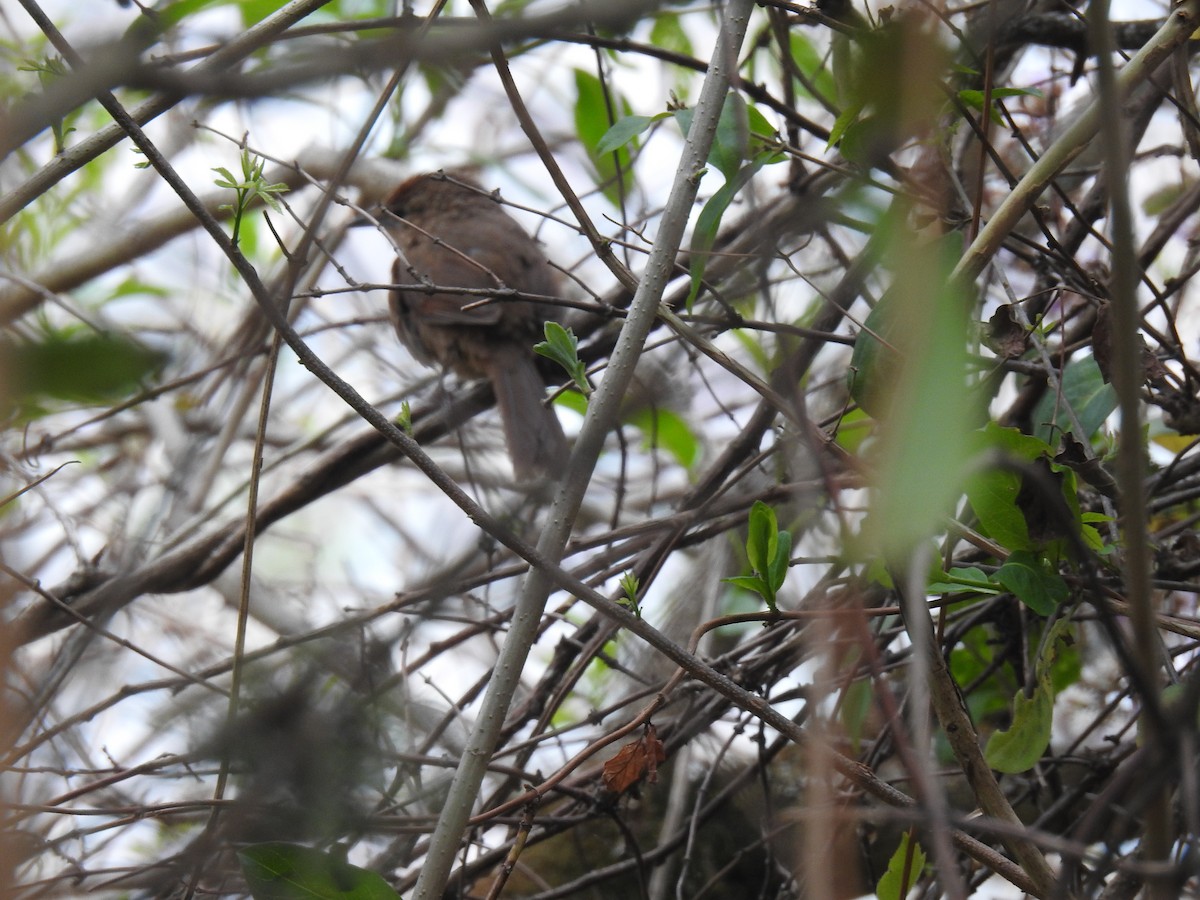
{"x": 1131, "y": 463}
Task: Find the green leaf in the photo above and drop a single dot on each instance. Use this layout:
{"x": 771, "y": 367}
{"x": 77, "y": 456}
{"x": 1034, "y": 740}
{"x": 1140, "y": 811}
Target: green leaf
{"x": 1083, "y": 390}
{"x": 974, "y": 99}
{"x": 853, "y": 429}
{"x": 704, "y": 235}
{"x": 572, "y": 400}
{"x": 1014, "y": 442}
{"x": 842, "y": 124}
{"x": 280, "y": 871}
{"x": 254, "y": 11}
{"x": 171, "y": 14}
{"x": 630, "y": 585}
{"x": 962, "y": 580}
{"x": 776, "y": 572}
{"x": 667, "y": 429}
{"x": 904, "y": 868}
{"x": 974, "y": 661}
{"x": 874, "y": 361}
{"x": 668, "y": 33}
{"x": 597, "y": 108}
{"x": 80, "y": 368}
{"x": 624, "y": 131}
{"x": 562, "y": 347}
{"x": 768, "y": 550}
{"x": 751, "y": 583}
{"x": 993, "y": 492}
{"x": 1065, "y": 663}
{"x": 134, "y": 287}
{"x": 731, "y": 141}
{"x": 1020, "y": 747}
{"x": 811, "y": 62}
{"x": 762, "y": 538}
{"x": 764, "y": 139}
{"x": 857, "y": 700}
{"x": 737, "y": 136}
{"x": 1033, "y": 581}
{"x": 993, "y": 497}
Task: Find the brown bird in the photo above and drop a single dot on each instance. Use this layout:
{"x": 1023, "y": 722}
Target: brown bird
{"x": 456, "y": 235}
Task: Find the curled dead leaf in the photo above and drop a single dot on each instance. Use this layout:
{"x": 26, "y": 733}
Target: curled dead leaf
{"x": 635, "y": 760}
{"x": 1006, "y": 335}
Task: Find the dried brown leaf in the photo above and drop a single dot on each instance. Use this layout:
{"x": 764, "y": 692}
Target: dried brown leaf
{"x": 635, "y": 760}
{"x": 1005, "y": 334}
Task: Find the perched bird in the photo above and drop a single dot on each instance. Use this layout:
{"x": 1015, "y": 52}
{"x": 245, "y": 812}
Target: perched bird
{"x": 455, "y": 235}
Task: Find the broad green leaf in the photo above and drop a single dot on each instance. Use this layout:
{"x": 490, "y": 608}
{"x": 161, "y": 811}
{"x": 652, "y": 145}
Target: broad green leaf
{"x": 874, "y": 361}
{"x": 768, "y": 551}
{"x": 668, "y": 33}
{"x": 667, "y": 429}
{"x": 762, "y": 538}
{"x": 1012, "y": 441}
{"x": 751, "y": 583}
{"x": 1066, "y": 662}
{"x": 811, "y": 62}
{"x": 624, "y": 131}
{"x": 596, "y": 107}
{"x": 704, "y": 235}
{"x": 1160, "y": 200}
{"x": 904, "y": 868}
{"x": 572, "y": 400}
{"x": 857, "y": 700}
{"x": 171, "y": 14}
{"x": 1002, "y": 92}
{"x": 280, "y": 871}
{"x": 854, "y": 428}
{"x": 134, "y": 287}
{"x": 962, "y": 580}
{"x": 842, "y": 124}
{"x": 974, "y": 98}
{"x": 973, "y": 661}
{"x": 764, "y": 139}
{"x": 1033, "y": 581}
{"x": 993, "y": 497}
{"x": 81, "y": 368}
{"x": 993, "y": 492}
{"x": 562, "y": 347}
{"x": 777, "y": 569}
{"x": 1020, "y": 747}
{"x": 254, "y": 11}
{"x": 1083, "y": 390}
{"x": 731, "y": 143}
{"x": 743, "y": 133}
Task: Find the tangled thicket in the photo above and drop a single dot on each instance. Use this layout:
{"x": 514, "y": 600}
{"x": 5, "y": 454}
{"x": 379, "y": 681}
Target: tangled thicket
{"x": 885, "y": 564}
